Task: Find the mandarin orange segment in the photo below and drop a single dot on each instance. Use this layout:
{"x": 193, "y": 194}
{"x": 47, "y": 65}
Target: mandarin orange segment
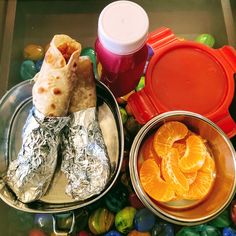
{"x": 201, "y": 186}
{"x": 209, "y": 164}
{"x": 194, "y": 156}
{"x": 152, "y": 183}
{"x": 166, "y": 135}
{"x": 190, "y": 177}
{"x": 181, "y": 147}
{"x": 172, "y": 173}
{"x": 148, "y": 150}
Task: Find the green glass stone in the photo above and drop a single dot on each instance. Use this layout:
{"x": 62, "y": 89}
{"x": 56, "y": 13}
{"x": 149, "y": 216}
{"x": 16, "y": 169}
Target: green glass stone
{"x": 141, "y": 84}
{"x": 124, "y": 115}
{"x": 117, "y": 198}
{"x": 124, "y": 219}
{"x": 206, "y": 39}
{"x": 188, "y": 231}
{"x": 27, "y": 70}
{"x": 221, "y": 221}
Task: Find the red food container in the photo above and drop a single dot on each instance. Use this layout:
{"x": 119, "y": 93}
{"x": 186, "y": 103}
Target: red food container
{"x": 186, "y": 75}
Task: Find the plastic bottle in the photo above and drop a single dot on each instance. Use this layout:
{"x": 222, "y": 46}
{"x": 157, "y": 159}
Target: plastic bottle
{"x": 121, "y": 45}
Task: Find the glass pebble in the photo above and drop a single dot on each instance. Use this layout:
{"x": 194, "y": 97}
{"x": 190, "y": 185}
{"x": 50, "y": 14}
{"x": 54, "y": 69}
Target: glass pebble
{"x": 221, "y": 221}
{"x": 138, "y": 233}
{"x": 206, "y": 39}
{"x": 116, "y": 199}
{"x": 100, "y": 221}
{"x": 228, "y": 231}
{"x": 81, "y": 219}
{"x": 38, "y": 65}
{"x": 27, "y": 70}
{"x": 124, "y": 219}
{"x": 134, "y": 201}
{"x": 113, "y": 233}
{"x": 43, "y": 221}
{"x": 124, "y": 115}
{"x": 163, "y": 229}
{"x": 33, "y": 52}
{"x": 141, "y": 84}
{"x": 144, "y": 220}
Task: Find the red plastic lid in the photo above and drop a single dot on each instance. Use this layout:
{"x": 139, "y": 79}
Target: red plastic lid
{"x": 186, "y": 75}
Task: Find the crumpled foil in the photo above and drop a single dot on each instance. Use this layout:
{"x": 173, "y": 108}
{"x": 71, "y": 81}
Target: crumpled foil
{"x": 30, "y": 175}
{"x": 85, "y": 163}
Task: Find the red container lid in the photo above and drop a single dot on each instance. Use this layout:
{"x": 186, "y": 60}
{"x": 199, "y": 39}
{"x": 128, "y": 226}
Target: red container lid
{"x": 186, "y": 75}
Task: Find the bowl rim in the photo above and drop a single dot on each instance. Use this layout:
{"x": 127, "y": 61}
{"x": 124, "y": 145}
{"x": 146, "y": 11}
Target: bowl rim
{"x": 145, "y": 199}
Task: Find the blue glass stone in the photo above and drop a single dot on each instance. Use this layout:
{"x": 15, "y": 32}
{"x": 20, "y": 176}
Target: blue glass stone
{"x": 163, "y": 229}
{"x": 43, "y": 221}
{"x": 38, "y": 65}
{"x": 27, "y": 70}
{"x": 228, "y": 231}
{"x": 113, "y": 233}
{"x": 144, "y": 220}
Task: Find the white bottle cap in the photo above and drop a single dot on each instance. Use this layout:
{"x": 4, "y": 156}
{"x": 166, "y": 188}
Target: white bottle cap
{"x": 123, "y": 27}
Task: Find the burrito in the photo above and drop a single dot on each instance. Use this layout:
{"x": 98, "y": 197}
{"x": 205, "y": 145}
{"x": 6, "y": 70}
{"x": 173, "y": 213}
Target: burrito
{"x": 85, "y": 160}
{"x": 30, "y": 175}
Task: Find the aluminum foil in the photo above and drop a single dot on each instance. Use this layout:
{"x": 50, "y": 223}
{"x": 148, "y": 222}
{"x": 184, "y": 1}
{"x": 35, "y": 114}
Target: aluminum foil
{"x": 85, "y": 160}
{"x": 30, "y": 175}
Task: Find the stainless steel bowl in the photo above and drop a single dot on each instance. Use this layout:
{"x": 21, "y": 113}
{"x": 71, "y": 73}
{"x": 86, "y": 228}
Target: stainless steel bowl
{"x": 14, "y": 109}
{"x": 224, "y": 155}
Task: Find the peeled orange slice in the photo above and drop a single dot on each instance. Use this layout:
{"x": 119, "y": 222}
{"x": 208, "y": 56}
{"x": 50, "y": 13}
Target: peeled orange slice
{"x": 148, "y": 150}
{"x": 200, "y": 187}
{"x": 154, "y": 186}
{"x": 190, "y": 177}
{"x": 166, "y": 135}
{"x": 172, "y": 173}
{"x": 209, "y": 164}
{"x": 194, "y": 156}
{"x": 181, "y": 147}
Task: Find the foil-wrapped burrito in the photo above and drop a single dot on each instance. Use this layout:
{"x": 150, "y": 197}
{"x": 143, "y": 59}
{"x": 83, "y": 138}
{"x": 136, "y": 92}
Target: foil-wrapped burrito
{"x": 85, "y": 160}
{"x": 64, "y": 117}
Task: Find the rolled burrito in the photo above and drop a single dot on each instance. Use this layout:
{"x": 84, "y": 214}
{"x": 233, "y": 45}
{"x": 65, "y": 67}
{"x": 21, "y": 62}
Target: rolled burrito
{"x": 85, "y": 160}
{"x": 30, "y": 175}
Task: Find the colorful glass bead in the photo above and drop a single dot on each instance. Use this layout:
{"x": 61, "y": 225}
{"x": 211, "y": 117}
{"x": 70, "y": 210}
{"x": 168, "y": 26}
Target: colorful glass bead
{"x": 144, "y": 220}
{"x": 82, "y": 233}
{"x": 100, "y": 221}
{"x": 38, "y": 65}
{"x": 124, "y": 115}
{"x": 221, "y": 221}
{"x": 63, "y": 221}
{"x": 163, "y": 229}
{"x": 36, "y": 232}
{"x": 124, "y": 219}
{"x": 233, "y": 211}
{"x": 33, "y": 52}
{"x": 141, "y": 84}
{"x": 132, "y": 126}
{"x": 81, "y": 219}
{"x": 113, "y": 233}
{"x": 228, "y": 231}
{"x": 116, "y": 199}
{"x": 134, "y": 201}
{"x": 187, "y": 231}
{"x": 207, "y": 230}
{"x": 206, "y": 39}
{"x": 138, "y": 233}
{"x": 43, "y": 221}
{"x": 27, "y": 70}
